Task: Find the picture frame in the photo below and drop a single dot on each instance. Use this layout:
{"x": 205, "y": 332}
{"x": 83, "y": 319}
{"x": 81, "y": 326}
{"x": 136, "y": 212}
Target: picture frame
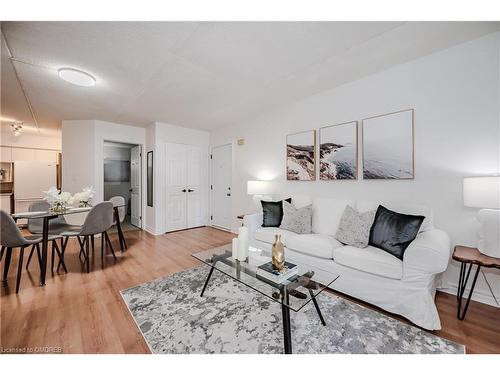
{"x": 388, "y": 146}
{"x": 149, "y": 178}
{"x": 338, "y": 152}
{"x": 301, "y": 156}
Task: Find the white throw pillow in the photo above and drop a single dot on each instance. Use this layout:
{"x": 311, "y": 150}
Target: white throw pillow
{"x": 354, "y": 227}
{"x": 296, "y": 220}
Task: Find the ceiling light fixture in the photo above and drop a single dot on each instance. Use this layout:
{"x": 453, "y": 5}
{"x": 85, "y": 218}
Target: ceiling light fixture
{"x": 76, "y": 77}
{"x": 16, "y": 128}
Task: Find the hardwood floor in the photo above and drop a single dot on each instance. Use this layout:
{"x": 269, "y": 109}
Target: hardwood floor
{"x": 84, "y": 313}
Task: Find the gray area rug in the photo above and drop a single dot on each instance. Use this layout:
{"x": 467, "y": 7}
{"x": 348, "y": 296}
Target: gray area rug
{"x": 232, "y": 318}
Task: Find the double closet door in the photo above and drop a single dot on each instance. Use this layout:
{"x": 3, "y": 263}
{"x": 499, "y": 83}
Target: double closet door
{"x": 186, "y": 183}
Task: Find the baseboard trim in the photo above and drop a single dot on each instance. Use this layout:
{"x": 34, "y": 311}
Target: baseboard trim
{"x": 221, "y": 228}
{"x": 478, "y": 296}
{"x": 151, "y": 231}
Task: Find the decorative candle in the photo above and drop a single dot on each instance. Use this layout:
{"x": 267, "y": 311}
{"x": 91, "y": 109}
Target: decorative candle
{"x": 242, "y": 243}
{"x": 235, "y": 248}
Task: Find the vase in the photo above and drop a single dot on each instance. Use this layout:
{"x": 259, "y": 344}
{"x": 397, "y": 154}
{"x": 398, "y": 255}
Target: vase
{"x": 58, "y": 208}
{"x": 278, "y": 253}
{"x": 84, "y": 204}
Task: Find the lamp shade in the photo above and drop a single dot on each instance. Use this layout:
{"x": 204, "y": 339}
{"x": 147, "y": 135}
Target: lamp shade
{"x": 482, "y": 192}
{"x": 258, "y": 187}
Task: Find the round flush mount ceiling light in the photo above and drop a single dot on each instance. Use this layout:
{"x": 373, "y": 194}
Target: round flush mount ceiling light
{"x": 76, "y": 77}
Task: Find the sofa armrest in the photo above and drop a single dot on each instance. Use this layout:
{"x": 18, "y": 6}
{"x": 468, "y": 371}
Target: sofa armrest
{"x": 253, "y": 222}
{"x": 428, "y": 253}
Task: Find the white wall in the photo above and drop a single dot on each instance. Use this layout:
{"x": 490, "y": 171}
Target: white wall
{"x": 83, "y": 153}
{"x": 157, "y": 135}
{"x": 455, "y": 94}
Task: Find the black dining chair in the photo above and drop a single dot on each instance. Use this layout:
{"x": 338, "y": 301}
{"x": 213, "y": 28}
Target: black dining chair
{"x": 11, "y": 238}
{"x": 98, "y": 221}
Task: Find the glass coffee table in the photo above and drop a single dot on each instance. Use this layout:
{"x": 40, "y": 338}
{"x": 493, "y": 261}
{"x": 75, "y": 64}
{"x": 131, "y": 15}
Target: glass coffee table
{"x": 293, "y": 294}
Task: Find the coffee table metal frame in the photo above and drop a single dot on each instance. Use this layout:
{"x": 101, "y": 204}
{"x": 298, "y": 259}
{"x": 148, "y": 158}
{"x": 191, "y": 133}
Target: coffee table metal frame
{"x": 283, "y": 297}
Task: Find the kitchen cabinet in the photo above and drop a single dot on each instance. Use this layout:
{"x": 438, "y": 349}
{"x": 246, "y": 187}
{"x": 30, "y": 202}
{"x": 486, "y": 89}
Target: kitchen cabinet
{"x": 23, "y": 154}
{"x": 5, "y": 154}
{"x": 5, "y": 200}
{"x": 46, "y": 155}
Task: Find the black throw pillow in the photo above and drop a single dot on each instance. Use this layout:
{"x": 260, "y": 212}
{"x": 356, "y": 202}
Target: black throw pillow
{"x": 273, "y": 213}
{"x": 393, "y": 232}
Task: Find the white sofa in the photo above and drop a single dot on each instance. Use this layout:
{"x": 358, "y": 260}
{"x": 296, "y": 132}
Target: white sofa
{"x": 406, "y": 287}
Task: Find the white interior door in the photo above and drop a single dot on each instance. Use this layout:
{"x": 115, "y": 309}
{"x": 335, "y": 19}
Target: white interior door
{"x": 176, "y": 178}
{"x": 196, "y": 166}
{"x": 135, "y": 186}
{"x": 221, "y": 186}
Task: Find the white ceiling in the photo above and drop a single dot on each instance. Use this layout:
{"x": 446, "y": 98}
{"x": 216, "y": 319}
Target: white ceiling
{"x": 202, "y": 74}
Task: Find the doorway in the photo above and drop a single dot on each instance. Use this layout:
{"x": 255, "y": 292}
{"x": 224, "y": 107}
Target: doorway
{"x": 221, "y": 186}
{"x": 122, "y": 177}
{"x": 186, "y": 186}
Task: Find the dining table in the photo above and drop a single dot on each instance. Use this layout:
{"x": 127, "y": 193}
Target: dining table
{"x": 46, "y": 216}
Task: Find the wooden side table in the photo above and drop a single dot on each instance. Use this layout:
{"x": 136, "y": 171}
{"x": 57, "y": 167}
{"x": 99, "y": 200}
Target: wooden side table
{"x": 472, "y": 256}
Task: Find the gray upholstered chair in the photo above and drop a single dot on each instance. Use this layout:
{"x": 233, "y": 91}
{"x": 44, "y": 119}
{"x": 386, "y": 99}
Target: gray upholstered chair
{"x": 98, "y": 221}
{"x": 10, "y": 238}
{"x": 56, "y": 226}
{"x": 119, "y": 202}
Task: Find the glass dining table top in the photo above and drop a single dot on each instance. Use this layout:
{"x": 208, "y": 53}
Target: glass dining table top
{"x": 299, "y": 289}
{"x": 44, "y": 214}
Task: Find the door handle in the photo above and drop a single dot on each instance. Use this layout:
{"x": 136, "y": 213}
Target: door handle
{"x": 190, "y": 190}
{"x": 183, "y": 190}
{"x": 228, "y": 194}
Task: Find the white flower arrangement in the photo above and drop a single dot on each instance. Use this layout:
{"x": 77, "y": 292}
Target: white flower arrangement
{"x": 58, "y": 201}
{"x": 84, "y": 197}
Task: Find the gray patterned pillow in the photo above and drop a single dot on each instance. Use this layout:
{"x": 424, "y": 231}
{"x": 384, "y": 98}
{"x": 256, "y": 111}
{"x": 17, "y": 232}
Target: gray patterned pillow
{"x": 296, "y": 220}
{"x": 354, "y": 227}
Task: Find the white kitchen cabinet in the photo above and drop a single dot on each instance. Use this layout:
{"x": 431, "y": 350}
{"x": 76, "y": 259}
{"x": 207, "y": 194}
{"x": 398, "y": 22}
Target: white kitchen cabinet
{"x": 46, "y": 155}
{"x": 5, "y": 203}
{"x": 5, "y": 154}
{"x": 23, "y": 154}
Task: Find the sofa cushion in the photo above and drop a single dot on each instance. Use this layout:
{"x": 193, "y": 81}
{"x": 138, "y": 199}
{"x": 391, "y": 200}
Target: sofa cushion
{"x": 370, "y": 259}
{"x": 297, "y": 220}
{"x": 266, "y": 234}
{"x": 404, "y": 208}
{"x": 327, "y": 214}
{"x": 316, "y": 245}
{"x": 354, "y": 227}
{"x": 393, "y": 231}
{"x": 272, "y": 213}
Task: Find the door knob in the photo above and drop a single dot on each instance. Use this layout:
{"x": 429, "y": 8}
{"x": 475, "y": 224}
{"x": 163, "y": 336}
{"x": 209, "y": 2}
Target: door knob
{"x": 228, "y": 194}
{"x": 190, "y": 190}
{"x": 183, "y": 190}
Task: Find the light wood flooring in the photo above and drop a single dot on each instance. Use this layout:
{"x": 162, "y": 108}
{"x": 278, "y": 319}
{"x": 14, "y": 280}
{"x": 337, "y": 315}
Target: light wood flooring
{"x": 84, "y": 313}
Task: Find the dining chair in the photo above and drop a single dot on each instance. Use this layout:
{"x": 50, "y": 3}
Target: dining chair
{"x": 56, "y": 226}
{"x": 98, "y": 221}
{"x": 119, "y": 204}
{"x": 11, "y": 238}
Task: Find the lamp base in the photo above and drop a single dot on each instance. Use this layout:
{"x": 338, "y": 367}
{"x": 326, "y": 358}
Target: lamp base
{"x": 489, "y": 233}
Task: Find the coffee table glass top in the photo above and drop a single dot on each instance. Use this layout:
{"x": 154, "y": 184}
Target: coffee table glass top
{"x": 295, "y": 292}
